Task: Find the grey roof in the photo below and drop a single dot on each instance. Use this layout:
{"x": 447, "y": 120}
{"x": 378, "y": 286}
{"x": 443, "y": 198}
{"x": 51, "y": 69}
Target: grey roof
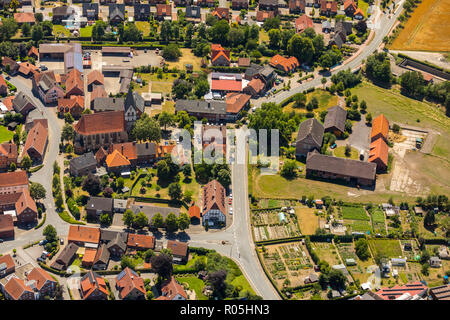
{"x": 135, "y": 101}
{"x": 326, "y": 24}
{"x": 268, "y": 2}
{"x": 63, "y": 11}
{"x": 311, "y": 128}
{"x": 341, "y": 166}
{"x": 150, "y": 211}
{"x": 67, "y": 254}
{"x": 337, "y": 39}
{"x": 100, "y": 203}
{"x": 102, "y": 255}
{"x": 108, "y": 104}
{"x": 144, "y": 149}
{"x": 218, "y": 75}
{"x": 345, "y": 26}
{"x": 193, "y": 12}
{"x": 120, "y": 203}
{"x": 201, "y": 106}
{"x": 252, "y": 70}
{"x": 84, "y": 161}
{"x": 266, "y": 71}
{"x": 20, "y": 101}
{"x": 335, "y": 117}
{"x": 141, "y": 8}
{"x": 116, "y": 10}
{"x": 90, "y": 7}
{"x": 109, "y": 235}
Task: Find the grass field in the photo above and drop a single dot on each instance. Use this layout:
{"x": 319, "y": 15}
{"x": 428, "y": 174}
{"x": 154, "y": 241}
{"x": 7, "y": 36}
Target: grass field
{"x": 428, "y": 29}
{"x": 326, "y": 100}
{"x": 326, "y": 251}
{"x": 5, "y": 134}
{"x": 308, "y": 221}
{"x": 58, "y": 30}
{"x": 143, "y": 26}
{"x": 186, "y": 58}
{"x": 163, "y": 85}
{"x": 363, "y": 5}
{"x": 361, "y": 226}
{"x": 195, "y": 284}
{"x": 391, "y": 248}
{"x": 340, "y": 152}
{"x": 86, "y": 31}
{"x": 378, "y": 216}
{"x": 354, "y": 213}
{"x": 378, "y": 222}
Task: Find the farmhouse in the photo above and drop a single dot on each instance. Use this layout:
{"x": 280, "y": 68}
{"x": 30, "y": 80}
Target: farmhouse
{"x": 213, "y": 213}
{"x": 6, "y": 226}
{"x": 379, "y": 154}
{"x": 13, "y": 182}
{"x": 328, "y": 167}
{"x": 22, "y": 104}
{"x": 283, "y": 64}
{"x": 303, "y": 22}
{"x": 309, "y": 137}
{"x": 335, "y": 120}
{"x": 36, "y": 143}
{"x": 212, "y": 110}
{"x": 380, "y": 128}
{"x": 47, "y": 87}
{"x": 19, "y": 205}
{"x": 8, "y": 155}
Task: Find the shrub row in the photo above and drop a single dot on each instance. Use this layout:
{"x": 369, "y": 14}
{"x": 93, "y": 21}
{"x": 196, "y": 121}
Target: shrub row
{"x": 200, "y": 251}
{"x": 42, "y": 222}
{"x": 276, "y": 241}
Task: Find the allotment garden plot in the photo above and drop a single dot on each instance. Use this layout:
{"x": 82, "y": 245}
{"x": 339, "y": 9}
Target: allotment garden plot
{"x": 378, "y": 222}
{"x": 274, "y": 224}
{"x": 356, "y": 219}
{"x": 357, "y": 267}
{"x": 389, "y": 248}
{"x": 326, "y": 251}
{"x": 287, "y": 261}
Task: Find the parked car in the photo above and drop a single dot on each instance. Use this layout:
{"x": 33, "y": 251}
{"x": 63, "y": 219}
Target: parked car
{"x": 42, "y": 242}
{"x": 40, "y": 260}
{"x": 8, "y": 78}
{"x": 230, "y": 210}
{"x": 230, "y": 201}
{"x": 45, "y": 253}
{"x": 61, "y": 241}
{"x": 333, "y": 146}
{"x": 1, "y": 240}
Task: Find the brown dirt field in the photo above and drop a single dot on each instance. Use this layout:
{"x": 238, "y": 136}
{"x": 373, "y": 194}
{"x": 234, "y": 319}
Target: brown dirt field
{"x": 427, "y": 29}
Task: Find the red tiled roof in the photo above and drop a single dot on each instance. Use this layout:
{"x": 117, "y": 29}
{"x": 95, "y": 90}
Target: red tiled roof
{"x": 130, "y": 280}
{"x": 287, "y": 64}
{"x": 24, "y": 17}
{"x": 25, "y": 202}
{"x": 396, "y": 291}
{"x": 89, "y": 256}
{"x": 26, "y": 68}
{"x": 194, "y": 211}
{"x": 303, "y": 22}
{"x": 221, "y": 13}
{"x": 8, "y": 150}
{"x": 236, "y": 101}
{"x": 40, "y": 276}
{"x": 70, "y": 103}
{"x": 359, "y": 12}
{"x": 170, "y": 289}
{"x": 213, "y": 196}
{"x": 141, "y": 241}
{"x": 116, "y": 159}
{"x": 2, "y": 82}
{"x": 127, "y": 149}
{"x": 83, "y": 234}
{"x": 256, "y": 84}
{"x": 100, "y": 155}
{"x": 33, "y": 51}
{"x": 226, "y": 85}
{"x": 379, "y": 150}
{"x": 221, "y": 54}
{"x": 36, "y": 139}
{"x": 98, "y": 92}
{"x": 16, "y": 288}
{"x": 15, "y": 178}
{"x": 349, "y": 3}
{"x": 95, "y": 76}
{"x": 163, "y": 9}
{"x": 263, "y": 15}
{"x": 8, "y": 102}
{"x": 178, "y": 248}
{"x": 88, "y": 287}
{"x": 8, "y": 260}
{"x": 102, "y": 122}
{"x": 380, "y": 125}
{"x": 74, "y": 80}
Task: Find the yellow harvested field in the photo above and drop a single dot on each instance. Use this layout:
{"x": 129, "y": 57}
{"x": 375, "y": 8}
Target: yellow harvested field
{"x": 428, "y": 29}
{"x": 308, "y": 221}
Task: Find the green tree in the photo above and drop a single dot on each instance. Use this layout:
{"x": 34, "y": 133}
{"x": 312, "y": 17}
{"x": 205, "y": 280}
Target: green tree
{"x": 302, "y": 48}
{"x": 175, "y": 192}
{"x": 171, "y": 52}
{"x": 158, "y": 220}
{"x": 105, "y": 219}
{"x": 166, "y": 119}
{"x": 67, "y": 133}
{"x": 37, "y": 191}
{"x": 412, "y": 84}
{"x": 147, "y": 128}
{"x": 289, "y": 169}
{"x": 26, "y": 163}
{"x": 37, "y": 32}
{"x": 8, "y": 28}
{"x": 171, "y": 222}
{"x": 50, "y": 233}
{"x": 162, "y": 265}
{"x": 128, "y": 218}
{"x": 183, "y": 221}
{"x": 378, "y": 68}
{"x": 140, "y": 220}
{"x": 26, "y": 29}
{"x": 132, "y": 33}
{"x": 201, "y": 88}
{"x": 362, "y": 249}
{"x": 274, "y": 38}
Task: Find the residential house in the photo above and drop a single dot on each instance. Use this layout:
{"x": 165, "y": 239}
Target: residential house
{"x": 27, "y": 69}
{"x": 24, "y": 17}
{"x": 172, "y": 290}
{"x": 8, "y": 155}
{"x": 312, "y": 278}
{"x": 82, "y": 165}
{"x": 101, "y": 259}
{"x": 262, "y": 15}
{"x": 254, "y": 88}
{"x": 335, "y": 120}
{"x": 3, "y": 86}
{"x": 193, "y": 12}
{"x": 66, "y": 257}
{"x": 265, "y": 73}
{"x": 13, "y": 182}
{"x": 146, "y": 153}
{"x": 309, "y": 137}
{"x": 116, "y": 242}
{"x": 134, "y": 107}
{"x": 116, "y": 13}
{"x": 43, "y": 282}
{"x": 221, "y": 13}
{"x": 303, "y": 22}
{"x": 97, "y": 92}
{"x": 90, "y": 11}
{"x": 219, "y": 56}
{"x": 81, "y": 235}
{"x": 33, "y": 53}
{"x": 328, "y": 8}
{"x": 100, "y": 156}
{"x": 89, "y": 257}
{"x": 244, "y": 62}
{"x": 74, "y": 83}
{"x": 6, "y": 227}
{"x": 22, "y": 103}
{"x": 33, "y": 118}
{"x": 379, "y": 154}
{"x": 195, "y": 214}
{"x": 268, "y": 5}
{"x": 10, "y": 65}
{"x": 180, "y": 250}
{"x": 17, "y": 289}
{"x": 127, "y": 149}
{"x": 236, "y": 102}
{"x": 130, "y": 285}
{"x": 351, "y": 171}
{"x": 359, "y": 14}
{"x": 73, "y": 105}
{"x": 117, "y": 163}
{"x": 7, "y": 265}
{"x": 97, "y": 206}
{"x": 93, "y": 287}
{"x": 36, "y": 143}
{"x": 20, "y": 205}
{"x": 206, "y": 3}
{"x": 380, "y": 128}
{"x": 140, "y": 242}
{"x": 350, "y": 7}
{"x": 297, "y": 6}
{"x": 283, "y": 64}
{"x": 344, "y": 27}
{"x": 213, "y": 211}
{"x": 141, "y": 12}
{"x": 215, "y": 111}
{"x": 47, "y": 87}
{"x": 93, "y": 131}
{"x": 61, "y": 13}
{"x": 239, "y": 4}
{"x": 163, "y": 11}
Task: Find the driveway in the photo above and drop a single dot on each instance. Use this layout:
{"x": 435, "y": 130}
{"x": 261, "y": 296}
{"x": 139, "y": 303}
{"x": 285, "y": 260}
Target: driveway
{"x": 360, "y": 136}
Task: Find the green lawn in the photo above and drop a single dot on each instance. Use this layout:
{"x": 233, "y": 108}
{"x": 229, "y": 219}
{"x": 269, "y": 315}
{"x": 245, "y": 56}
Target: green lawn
{"x": 354, "y": 213}
{"x": 143, "y": 26}
{"x": 58, "y": 30}
{"x": 163, "y": 85}
{"x": 378, "y": 216}
{"x": 364, "y": 6}
{"x": 5, "y": 134}
{"x": 361, "y": 226}
{"x": 86, "y": 31}
{"x": 340, "y": 152}
{"x": 187, "y": 57}
{"x": 195, "y": 284}
{"x": 391, "y": 248}
{"x": 326, "y": 100}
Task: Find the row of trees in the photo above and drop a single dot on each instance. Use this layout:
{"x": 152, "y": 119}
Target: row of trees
{"x": 171, "y": 223}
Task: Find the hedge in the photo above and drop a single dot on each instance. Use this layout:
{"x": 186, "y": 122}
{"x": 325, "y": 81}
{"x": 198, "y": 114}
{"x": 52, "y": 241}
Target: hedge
{"x": 67, "y": 218}
{"x": 404, "y": 56}
{"x": 228, "y": 69}
{"x": 200, "y": 251}
{"x": 50, "y": 269}
{"x": 42, "y": 222}
{"x": 276, "y": 241}
{"x": 35, "y": 168}
{"x": 443, "y": 241}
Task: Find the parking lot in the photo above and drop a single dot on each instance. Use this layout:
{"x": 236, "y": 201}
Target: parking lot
{"x": 140, "y": 58}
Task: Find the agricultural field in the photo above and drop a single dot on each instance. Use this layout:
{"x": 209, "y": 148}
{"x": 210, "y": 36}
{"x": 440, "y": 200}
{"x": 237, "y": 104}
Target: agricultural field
{"x": 308, "y": 220}
{"x": 294, "y": 262}
{"x": 390, "y": 248}
{"x": 378, "y": 222}
{"x": 267, "y": 225}
{"x": 427, "y": 29}
{"x": 327, "y": 252}
{"x": 354, "y": 213}
{"x": 273, "y": 203}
